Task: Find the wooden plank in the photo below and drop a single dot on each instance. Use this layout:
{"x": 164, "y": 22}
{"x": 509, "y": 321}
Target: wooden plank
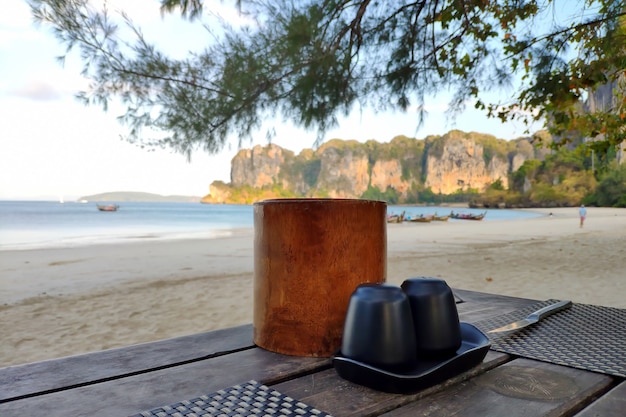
{"x": 611, "y": 404}
{"x": 522, "y": 387}
{"x": 31, "y": 379}
{"x": 479, "y": 306}
{"x": 328, "y": 392}
{"x": 90, "y": 383}
{"x": 147, "y": 391}
{"x": 25, "y": 380}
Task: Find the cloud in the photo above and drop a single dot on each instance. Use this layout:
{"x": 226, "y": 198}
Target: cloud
{"x": 36, "y": 90}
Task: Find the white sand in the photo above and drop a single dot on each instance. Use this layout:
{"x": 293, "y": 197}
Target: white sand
{"x": 59, "y": 302}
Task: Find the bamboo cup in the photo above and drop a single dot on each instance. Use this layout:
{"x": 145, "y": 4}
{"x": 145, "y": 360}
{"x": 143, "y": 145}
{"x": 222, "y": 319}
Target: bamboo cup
{"x": 309, "y": 256}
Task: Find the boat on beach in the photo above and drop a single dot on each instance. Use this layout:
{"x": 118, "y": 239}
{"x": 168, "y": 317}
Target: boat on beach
{"x": 468, "y": 216}
{"x": 108, "y": 207}
{"x": 438, "y": 218}
{"x": 419, "y": 219}
{"x": 395, "y": 218}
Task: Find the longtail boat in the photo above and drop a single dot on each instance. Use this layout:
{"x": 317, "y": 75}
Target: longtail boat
{"x": 108, "y": 207}
{"x": 419, "y": 219}
{"x": 468, "y": 216}
{"x": 395, "y": 218}
{"x": 438, "y": 218}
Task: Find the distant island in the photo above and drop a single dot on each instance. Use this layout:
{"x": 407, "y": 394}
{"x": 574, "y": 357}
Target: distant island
{"x": 139, "y": 197}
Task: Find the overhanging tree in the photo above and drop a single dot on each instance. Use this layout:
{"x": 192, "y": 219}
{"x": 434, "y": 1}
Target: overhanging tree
{"x": 312, "y": 61}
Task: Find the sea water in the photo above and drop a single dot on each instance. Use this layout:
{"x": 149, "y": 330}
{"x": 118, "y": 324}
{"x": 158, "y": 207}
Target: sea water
{"x": 48, "y": 224}
{"x": 42, "y": 224}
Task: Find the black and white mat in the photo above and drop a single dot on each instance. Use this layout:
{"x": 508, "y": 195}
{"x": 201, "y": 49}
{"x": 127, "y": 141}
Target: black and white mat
{"x": 250, "y": 399}
{"x": 584, "y": 336}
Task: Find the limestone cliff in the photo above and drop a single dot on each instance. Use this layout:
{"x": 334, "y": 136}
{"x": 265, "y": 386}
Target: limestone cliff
{"x": 344, "y": 169}
{"x": 606, "y": 98}
{"x": 388, "y": 173}
{"x": 257, "y": 167}
{"x": 462, "y": 165}
{"x": 457, "y": 161}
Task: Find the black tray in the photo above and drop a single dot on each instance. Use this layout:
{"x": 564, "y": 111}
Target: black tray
{"x": 426, "y": 373}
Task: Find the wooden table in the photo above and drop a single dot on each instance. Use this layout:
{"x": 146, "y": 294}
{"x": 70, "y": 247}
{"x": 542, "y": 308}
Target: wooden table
{"x": 125, "y": 381}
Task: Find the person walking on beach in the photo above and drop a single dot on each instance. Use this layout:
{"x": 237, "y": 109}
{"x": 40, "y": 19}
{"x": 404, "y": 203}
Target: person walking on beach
{"x": 582, "y": 211}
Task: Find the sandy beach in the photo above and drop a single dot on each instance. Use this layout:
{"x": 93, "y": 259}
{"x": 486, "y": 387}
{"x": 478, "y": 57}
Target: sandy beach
{"x": 60, "y": 302}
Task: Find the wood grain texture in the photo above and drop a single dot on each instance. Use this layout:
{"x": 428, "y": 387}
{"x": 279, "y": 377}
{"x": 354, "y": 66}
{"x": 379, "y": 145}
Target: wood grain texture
{"x": 126, "y": 381}
{"x": 613, "y": 403}
{"x": 479, "y": 306}
{"x": 328, "y": 392}
{"x": 51, "y": 375}
{"x": 147, "y": 391}
{"x": 538, "y": 389}
{"x": 309, "y": 256}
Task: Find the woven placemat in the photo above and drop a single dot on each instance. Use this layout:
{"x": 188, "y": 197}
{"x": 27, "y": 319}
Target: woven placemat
{"x": 584, "y": 336}
{"x": 244, "y": 400}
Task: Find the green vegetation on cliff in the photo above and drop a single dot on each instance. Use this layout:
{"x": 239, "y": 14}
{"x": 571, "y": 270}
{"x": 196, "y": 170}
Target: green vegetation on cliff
{"x": 611, "y": 190}
{"x": 456, "y": 167}
{"x": 564, "y": 178}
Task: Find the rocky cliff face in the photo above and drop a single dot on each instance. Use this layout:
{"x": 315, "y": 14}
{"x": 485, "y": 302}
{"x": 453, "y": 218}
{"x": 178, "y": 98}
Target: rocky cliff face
{"x": 388, "y": 173}
{"x": 604, "y": 99}
{"x": 257, "y": 167}
{"x": 454, "y": 162}
{"x": 344, "y": 172}
{"x": 462, "y": 166}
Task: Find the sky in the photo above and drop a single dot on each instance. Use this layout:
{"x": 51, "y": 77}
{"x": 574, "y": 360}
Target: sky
{"x": 52, "y": 146}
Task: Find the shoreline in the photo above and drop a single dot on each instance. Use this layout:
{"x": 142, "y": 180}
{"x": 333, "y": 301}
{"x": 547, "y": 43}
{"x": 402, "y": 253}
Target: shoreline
{"x": 66, "y": 301}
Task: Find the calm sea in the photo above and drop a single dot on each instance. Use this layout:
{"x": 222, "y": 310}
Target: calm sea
{"x": 43, "y": 224}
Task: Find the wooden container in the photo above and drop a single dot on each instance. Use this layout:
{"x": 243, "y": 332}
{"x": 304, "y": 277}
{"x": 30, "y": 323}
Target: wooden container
{"x": 309, "y": 256}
